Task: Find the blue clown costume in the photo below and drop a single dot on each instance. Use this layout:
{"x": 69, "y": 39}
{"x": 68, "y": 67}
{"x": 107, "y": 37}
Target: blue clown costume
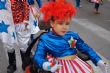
{"x": 12, "y": 33}
{"x": 56, "y": 50}
{"x": 59, "y": 46}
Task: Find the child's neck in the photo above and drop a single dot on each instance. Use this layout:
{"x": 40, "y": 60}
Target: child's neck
{"x": 54, "y": 32}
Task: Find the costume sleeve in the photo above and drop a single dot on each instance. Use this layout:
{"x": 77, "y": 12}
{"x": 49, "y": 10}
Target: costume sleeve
{"x": 40, "y": 54}
{"x": 83, "y": 47}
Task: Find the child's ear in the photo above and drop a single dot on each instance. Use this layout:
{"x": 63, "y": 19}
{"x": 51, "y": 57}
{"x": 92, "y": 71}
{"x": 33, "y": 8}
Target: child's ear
{"x": 51, "y": 23}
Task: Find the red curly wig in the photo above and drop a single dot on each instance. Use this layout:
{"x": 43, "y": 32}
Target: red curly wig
{"x": 58, "y": 10}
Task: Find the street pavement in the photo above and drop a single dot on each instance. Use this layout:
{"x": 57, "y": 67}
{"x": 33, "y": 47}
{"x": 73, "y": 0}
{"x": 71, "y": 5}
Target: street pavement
{"x": 93, "y": 39}
{"x": 94, "y": 30}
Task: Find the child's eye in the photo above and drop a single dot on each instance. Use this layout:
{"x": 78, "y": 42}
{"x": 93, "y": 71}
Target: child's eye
{"x": 60, "y": 23}
{"x": 67, "y": 23}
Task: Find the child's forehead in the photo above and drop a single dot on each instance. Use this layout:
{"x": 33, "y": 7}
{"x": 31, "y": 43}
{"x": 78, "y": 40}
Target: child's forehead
{"x": 63, "y": 21}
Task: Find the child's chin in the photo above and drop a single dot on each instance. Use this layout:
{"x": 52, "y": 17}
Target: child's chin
{"x": 62, "y": 34}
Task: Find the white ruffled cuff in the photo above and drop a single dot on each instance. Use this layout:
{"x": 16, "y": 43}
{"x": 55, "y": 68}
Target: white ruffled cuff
{"x": 102, "y": 66}
{"x": 46, "y": 66}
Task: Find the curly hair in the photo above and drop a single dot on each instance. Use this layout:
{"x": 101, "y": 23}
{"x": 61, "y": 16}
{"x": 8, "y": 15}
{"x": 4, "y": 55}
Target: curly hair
{"x": 58, "y": 10}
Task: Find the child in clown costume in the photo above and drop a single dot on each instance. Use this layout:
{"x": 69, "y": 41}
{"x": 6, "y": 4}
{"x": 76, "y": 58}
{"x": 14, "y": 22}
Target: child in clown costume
{"x": 17, "y": 23}
{"x": 61, "y": 44}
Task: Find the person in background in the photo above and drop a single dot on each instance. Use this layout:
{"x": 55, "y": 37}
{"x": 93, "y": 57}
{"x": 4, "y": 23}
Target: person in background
{"x": 97, "y": 5}
{"x": 56, "y": 50}
{"x": 15, "y": 28}
{"x": 78, "y": 3}
{"x": 35, "y": 12}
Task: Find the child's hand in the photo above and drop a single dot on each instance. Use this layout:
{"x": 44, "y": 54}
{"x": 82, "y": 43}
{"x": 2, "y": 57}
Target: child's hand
{"x": 47, "y": 67}
{"x": 102, "y": 66}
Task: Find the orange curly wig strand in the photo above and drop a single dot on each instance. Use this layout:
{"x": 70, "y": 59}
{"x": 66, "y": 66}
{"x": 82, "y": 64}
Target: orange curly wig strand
{"x": 59, "y": 10}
